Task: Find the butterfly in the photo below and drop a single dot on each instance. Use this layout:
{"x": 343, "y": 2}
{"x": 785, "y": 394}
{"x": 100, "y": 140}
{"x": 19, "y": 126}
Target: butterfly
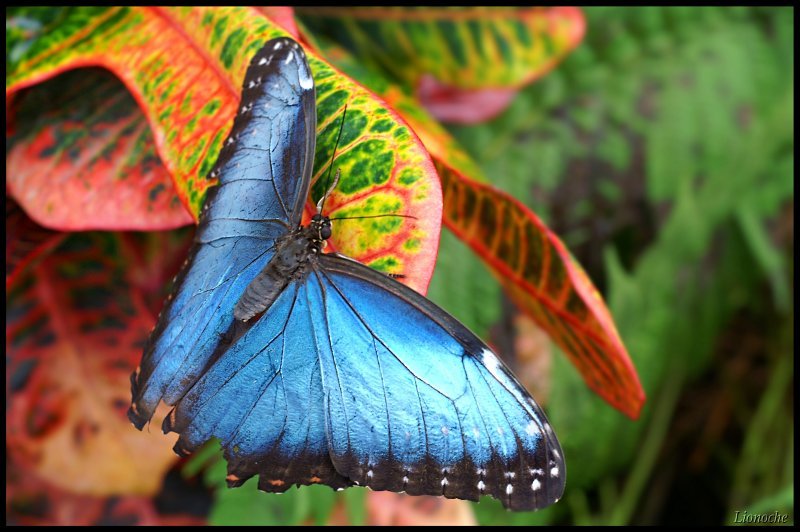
{"x": 312, "y": 368}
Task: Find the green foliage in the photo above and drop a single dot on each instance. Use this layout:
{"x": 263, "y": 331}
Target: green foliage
{"x": 685, "y": 115}
{"x": 463, "y": 284}
{"x": 247, "y": 506}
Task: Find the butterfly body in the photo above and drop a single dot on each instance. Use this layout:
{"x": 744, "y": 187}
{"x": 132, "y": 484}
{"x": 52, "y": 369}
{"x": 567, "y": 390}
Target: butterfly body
{"x": 295, "y": 253}
{"x": 311, "y": 368}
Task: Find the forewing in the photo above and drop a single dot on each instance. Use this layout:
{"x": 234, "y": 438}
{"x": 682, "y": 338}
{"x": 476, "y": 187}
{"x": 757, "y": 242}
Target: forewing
{"x": 264, "y": 171}
{"x": 415, "y": 402}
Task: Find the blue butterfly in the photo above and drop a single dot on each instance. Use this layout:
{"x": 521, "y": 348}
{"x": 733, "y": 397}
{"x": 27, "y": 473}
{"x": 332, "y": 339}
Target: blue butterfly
{"x": 312, "y": 368}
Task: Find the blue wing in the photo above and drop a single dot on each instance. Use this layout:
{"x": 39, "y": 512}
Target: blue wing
{"x": 264, "y": 400}
{"x": 415, "y": 402}
{"x": 264, "y": 169}
{"x": 351, "y": 377}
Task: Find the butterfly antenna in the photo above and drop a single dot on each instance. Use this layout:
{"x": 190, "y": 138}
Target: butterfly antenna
{"x": 374, "y": 216}
{"x": 321, "y": 202}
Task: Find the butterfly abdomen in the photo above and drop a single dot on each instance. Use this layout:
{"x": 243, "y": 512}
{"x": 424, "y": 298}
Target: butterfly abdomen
{"x": 290, "y": 261}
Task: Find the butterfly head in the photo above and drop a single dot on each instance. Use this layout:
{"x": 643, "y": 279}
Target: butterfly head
{"x": 320, "y": 227}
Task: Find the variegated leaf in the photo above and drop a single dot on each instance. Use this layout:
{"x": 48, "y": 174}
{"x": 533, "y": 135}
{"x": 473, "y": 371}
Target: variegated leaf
{"x": 185, "y": 66}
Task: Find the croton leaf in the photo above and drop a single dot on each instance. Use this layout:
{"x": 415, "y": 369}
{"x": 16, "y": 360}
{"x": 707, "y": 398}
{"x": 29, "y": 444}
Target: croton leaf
{"x": 82, "y": 156}
{"x": 530, "y": 261}
{"x": 463, "y": 63}
{"x": 185, "y": 66}
{"x": 25, "y": 241}
{"x": 74, "y": 333}
{"x": 544, "y": 280}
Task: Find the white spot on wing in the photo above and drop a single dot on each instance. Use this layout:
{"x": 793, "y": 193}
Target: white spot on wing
{"x": 444, "y": 482}
{"x": 509, "y": 489}
{"x": 289, "y": 57}
{"x": 481, "y": 486}
{"x": 306, "y": 81}
{"x": 531, "y": 429}
{"x": 278, "y": 45}
{"x": 555, "y": 453}
{"x": 554, "y": 471}
{"x": 490, "y": 361}
{"x": 536, "y": 485}
{"x": 263, "y": 61}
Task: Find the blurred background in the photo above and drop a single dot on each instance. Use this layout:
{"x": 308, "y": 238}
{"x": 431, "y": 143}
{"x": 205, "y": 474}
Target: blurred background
{"x": 661, "y": 151}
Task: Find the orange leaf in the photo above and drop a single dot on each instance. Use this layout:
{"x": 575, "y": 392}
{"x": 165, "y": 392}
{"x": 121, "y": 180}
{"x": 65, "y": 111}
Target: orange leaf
{"x": 543, "y": 279}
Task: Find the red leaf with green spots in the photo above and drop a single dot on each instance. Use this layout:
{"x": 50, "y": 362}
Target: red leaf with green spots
{"x": 74, "y": 332}
{"x": 464, "y": 63}
{"x": 529, "y": 260}
{"x": 185, "y": 66}
{"x": 82, "y": 156}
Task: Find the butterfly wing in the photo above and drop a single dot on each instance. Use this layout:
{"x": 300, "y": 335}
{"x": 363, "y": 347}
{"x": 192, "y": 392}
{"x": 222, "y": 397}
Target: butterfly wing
{"x": 349, "y": 377}
{"x": 415, "y": 402}
{"x": 264, "y": 401}
{"x": 353, "y": 378}
{"x": 264, "y": 170}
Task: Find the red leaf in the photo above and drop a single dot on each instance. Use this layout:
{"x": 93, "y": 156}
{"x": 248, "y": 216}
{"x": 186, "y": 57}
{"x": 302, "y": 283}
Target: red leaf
{"x": 83, "y": 157}
{"x": 462, "y": 106}
{"x": 75, "y": 330}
